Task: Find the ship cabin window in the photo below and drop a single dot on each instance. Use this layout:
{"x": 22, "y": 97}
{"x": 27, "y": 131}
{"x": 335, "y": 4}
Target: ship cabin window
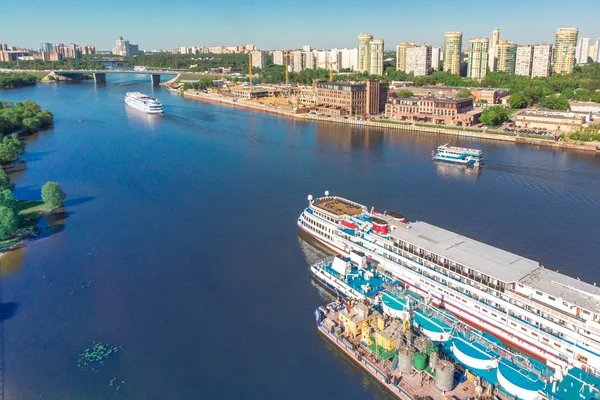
{"x": 539, "y": 293}
{"x": 545, "y": 339}
{"x": 551, "y": 298}
{"x": 534, "y": 334}
{"x": 503, "y": 319}
{"x": 524, "y": 329}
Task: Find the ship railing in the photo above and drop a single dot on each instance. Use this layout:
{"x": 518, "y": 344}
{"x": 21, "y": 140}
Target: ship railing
{"x": 542, "y": 307}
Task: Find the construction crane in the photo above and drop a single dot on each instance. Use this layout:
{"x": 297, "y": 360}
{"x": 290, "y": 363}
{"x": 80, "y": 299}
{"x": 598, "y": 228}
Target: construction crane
{"x": 331, "y": 70}
{"x": 286, "y": 62}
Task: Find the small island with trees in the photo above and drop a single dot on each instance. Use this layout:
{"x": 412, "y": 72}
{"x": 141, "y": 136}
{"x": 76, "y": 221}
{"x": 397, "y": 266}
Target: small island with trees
{"x": 19, "y": 218}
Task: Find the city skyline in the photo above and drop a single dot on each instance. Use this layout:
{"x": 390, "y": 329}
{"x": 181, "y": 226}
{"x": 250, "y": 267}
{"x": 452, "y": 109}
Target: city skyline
{"x": 532, "y": 22}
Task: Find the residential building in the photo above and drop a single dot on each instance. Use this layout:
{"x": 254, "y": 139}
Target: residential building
{"x": 349, "y": 59}
{"x": 436, "y": 58}
{"x": 335, "y": 60}
{"x": 478, "y": 58}
{"x": 250, "y": 47}
{"x": 552, "y": 120}
{"x": 122, "y": 47}
{"x": 506, "y": 56}
{"x": 348, "y": 98}
{"x": 259, "y": 59}
{"x": 542, "y": 60}
{"x": 46, "y": 48}
{"x": 434, "y": 110}
{"x": 321, "y": 58}
{"x": 296, "y": 61}
{"x": 309, "y": 60}
{"x": 376, "y": 47}
{"x": 524, "y": 60}
{"x": 3, "y": 47}
{"x": 306, "y": 48}
{"x": 581, "y": 51}
{"x": 88, "y": 49}
{"x": 593, "y": 51}
{"x": 364, "y": 51}
{"x": 52, "y": 57}
{"x": 418, "y": 60}
{"x": 73, "y": 51}
{"x": 490, "y": 96}
{"x": 565, "y": 44}
{"x": 401, "y": 55}
{"x": 596, "y": 53}
{"x": 452, "y": 52}
{"x": 278, "y": 57}
{"x": 493, "y": 54}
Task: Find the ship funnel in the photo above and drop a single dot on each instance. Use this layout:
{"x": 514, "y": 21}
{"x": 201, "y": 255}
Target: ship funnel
{"x": 326, "y": 193}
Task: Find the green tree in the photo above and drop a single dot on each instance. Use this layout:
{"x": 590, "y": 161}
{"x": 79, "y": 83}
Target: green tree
{"x": 519, "y": 100}
{"x": 8, "y": 223}
{"x": 555, "y": 102}
{"x": 7, "y": 199}
{"x": 463, "y": 94}
{"x": 31, "y": 124}
{"x": 494, "y": 116}
{"x": 404, "y": 93}
{"x": 5, "y": 181}
{"x": 53, "y": 195}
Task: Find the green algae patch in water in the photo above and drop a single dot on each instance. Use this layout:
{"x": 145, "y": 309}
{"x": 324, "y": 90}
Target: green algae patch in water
{"x": 96, "y": 356}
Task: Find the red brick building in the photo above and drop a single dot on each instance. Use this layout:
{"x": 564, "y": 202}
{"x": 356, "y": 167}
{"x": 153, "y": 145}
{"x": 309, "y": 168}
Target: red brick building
{"x": 349, "y": 98}
{"x": 433, "y": 110}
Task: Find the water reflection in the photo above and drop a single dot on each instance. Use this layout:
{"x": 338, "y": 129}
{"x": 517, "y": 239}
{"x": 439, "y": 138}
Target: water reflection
{"x": 141, "y": 118}
{"x": 457, "y": 171}
{"x": 355, "y": 138}
{"x": 10, "y": 262}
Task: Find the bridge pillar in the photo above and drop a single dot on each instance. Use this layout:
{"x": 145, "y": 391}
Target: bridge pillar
{"x": 99, "y": 77}
{"x": 155, "y": 79}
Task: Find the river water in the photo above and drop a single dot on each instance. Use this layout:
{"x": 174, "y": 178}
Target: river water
{"x": 179, "y": 240}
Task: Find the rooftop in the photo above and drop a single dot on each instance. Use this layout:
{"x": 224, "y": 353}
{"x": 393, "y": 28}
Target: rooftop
{"x": 564, "y": 287}
{"x": 486, "y": 259}
{"x": 338, "y": 206}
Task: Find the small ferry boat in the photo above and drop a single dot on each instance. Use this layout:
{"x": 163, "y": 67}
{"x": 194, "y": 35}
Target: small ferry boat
{"x": 143, "y": 102}
{"x": 458, "y": 155}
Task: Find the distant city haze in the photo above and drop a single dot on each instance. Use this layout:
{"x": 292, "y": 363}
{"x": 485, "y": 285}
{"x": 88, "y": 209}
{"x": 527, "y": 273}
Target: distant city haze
{"x": 269, "y": 24}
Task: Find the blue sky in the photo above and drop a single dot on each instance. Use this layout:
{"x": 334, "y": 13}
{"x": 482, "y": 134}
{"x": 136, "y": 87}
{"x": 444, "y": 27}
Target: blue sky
{"x": 273, "y": 24}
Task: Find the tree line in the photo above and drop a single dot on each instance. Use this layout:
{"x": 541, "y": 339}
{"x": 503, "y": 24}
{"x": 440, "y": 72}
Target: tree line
{"x": 12, "y": 79}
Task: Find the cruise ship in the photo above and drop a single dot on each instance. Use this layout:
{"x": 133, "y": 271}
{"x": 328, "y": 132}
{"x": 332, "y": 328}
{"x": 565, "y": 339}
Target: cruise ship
{"x": 542, "y": 312}
{"x": 458, "y": 155}
{"x": 143, "y": 102}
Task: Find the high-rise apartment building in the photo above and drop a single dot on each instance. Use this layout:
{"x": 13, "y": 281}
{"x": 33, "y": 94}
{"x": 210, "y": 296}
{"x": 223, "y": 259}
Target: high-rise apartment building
{"x": 46, "y": 48}
{"x": 542, "y": 60}
{"x": 478, "y": 58}
{"x": 309, "y": 60}
{"x": 452, "y": 52}
{"x": 306, "y": 48}
{"x": 297, "y": 61}
{"x": 364, "y": 51}
{"x": 250, "y": 47}
{"x": 565, "y": 43}
{"x": 595, "y": 50}
{"x": 122, "y": 47}
{"x": 436, "y": 58}
{"x": 376, "y": 57}
{"x": 581, "y": 51}
{"x": 506, "y": 56}
{"x": 259, "y": 59}
{"x": 493, "y": 54}
{"x": 349, "y": 59}
{"x": 401, "y": 55}
{"x": 418, "y": 60}
{"x": 524, "y": 60}
{"x": 3, "y": 47}
{"x": 88, "y": 49}
{"x": 278, "y": 57}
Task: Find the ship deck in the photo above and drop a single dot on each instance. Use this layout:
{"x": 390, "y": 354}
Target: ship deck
{"x": 338, "y": 206}
{"x": 417, "y": 384}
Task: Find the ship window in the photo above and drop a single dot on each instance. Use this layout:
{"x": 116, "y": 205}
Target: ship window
{"x": 513, "y": 324}
{"x": 545, "y": 339}
{"x": 523, "y": 329}
{"x": 539, "y": 293}
{"x": 551, "y": 298}
{"x": 557, "y": 345}
{"x": 503, "y": 319}
{"x": 534, "y": 334}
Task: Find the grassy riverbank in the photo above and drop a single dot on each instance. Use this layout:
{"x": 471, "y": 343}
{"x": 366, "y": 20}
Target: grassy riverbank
{"x": 29, "y": 213}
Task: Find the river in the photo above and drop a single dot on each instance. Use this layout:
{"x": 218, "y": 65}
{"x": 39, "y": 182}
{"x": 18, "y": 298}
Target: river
{"x": 179, "y": 240}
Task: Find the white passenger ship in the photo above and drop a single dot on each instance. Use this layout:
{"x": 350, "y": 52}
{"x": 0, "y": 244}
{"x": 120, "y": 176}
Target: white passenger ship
{"x": 143, "y": 103}
{"x": 545, "y": 313}
{"x": 458, "y": 155}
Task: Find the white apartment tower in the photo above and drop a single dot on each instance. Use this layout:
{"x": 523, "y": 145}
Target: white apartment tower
{"x": 418, "y": 60}
{"x": 278, "y": 57}
{"x": 581, "y": 51}
{"x": 436, "y": 57}
{"x": 492, "y": 49}
{"x": 259, "y": 59}
{"x": 542, "y": 60}
{"x": 478, "y": 58}
{"x": 122, "y": 47}
{"x": 376, "y": 57}
{"x": 524, "y": 60}
{"x": 349, "y": 59}
{"x": 297, "y": 61}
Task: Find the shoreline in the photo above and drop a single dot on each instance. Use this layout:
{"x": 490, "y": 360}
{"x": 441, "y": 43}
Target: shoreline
{"x": 394, "y": 126}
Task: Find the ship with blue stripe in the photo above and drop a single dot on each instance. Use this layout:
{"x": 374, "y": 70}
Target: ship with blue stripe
{"x": 458, "y": 155}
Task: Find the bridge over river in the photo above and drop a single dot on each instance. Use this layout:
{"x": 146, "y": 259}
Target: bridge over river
{"x": 100, "y": 75}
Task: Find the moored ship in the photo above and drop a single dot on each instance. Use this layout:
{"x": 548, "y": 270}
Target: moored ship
{"x": 542, "y": 312}
{"x": 144, "y": 103}
{"x": 458, "y": 155}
